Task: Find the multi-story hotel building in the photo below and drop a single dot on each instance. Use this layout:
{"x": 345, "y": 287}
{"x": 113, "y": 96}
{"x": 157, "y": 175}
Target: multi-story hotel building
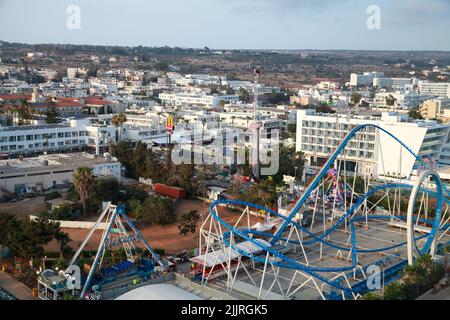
{"x": 372, "y": 150}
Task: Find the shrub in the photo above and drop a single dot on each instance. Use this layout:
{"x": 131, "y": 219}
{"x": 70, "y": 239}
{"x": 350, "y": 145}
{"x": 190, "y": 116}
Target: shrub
{"x": 395, "y": 291}
{"x": 64, "y": 212}
{"x": 155, "y": 210}
{"x": 52, "y": 195}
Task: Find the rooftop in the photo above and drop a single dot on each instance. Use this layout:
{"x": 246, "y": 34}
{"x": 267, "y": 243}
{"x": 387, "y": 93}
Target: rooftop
{"x": 52, "y": 161}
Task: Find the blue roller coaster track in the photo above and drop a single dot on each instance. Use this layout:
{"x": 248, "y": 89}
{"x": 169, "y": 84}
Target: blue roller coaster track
{"x": 284, "y": 261}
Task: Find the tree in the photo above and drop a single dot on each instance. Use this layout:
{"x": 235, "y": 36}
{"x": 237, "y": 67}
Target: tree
{"x": 395, "y": 291}
{"x": 92, "y": 73}
{"x": 390, "y": 100}
{"x": 23, "y": 112}
{"x": 64, "y": 212}
{"x": 289, "y": 160}
{"x": 356, "y": 98}
{"x": 155, "y": 210}
{"x": 26, "y": 238}
{"x": 123, "y": 151}
{"x": 416, "y": 276}
{"x": 82, "y": 179}
{"x": 292, "y": 128}
{"x": 244, "y": 96}
{"x": 262, "y": 193}
{"x": 118, "y": 121}
{"x": 188, "y": 222}
{"x": 371, "y": 296}
{"x": 51, "y": 114}
{"x": 324, "y": 109}
{"x": 52, "y": 195}
{"x": 415, "y": 114}
{"x": 63, "y": 239}
{"x": 7, "y": 223}
{"x": 229, "y": 90}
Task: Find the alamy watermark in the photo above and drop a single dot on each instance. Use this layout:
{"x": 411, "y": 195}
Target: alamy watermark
{"x": 73, "y": 21}
{"x": 229, "y": 147}
{"x": 374, "y": 19}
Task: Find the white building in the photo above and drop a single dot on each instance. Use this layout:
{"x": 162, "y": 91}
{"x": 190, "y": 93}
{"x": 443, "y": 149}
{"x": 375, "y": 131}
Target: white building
{"x": 69, "y": 135}
{"x": 437, "y": 89}
{"x": 54, "y": 171}
{"x": 406, "y": 100}
{"x": 72, "y": 72}
{"x": 183, "y": 99}
{"x": 396, "y": 83}
{"x": 365, "y": 79}
{"x": 373, "y": 151}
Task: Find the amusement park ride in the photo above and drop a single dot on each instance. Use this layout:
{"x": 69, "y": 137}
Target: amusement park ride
{"x": 101, "y": 276}
{"x": 354, "y": 233}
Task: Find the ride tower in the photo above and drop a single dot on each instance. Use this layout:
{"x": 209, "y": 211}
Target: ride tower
{"x": 256, "y": 128}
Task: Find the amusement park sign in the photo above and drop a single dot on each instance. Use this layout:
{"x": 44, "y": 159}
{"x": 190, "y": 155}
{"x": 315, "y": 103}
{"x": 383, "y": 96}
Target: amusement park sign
{"x": 117, "y": 241}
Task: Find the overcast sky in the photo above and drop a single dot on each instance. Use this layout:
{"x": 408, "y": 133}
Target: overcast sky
{"x": 232, "y": 24}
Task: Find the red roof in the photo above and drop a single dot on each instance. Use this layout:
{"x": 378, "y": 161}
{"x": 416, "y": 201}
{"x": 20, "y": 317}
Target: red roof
{"x": 64, "y": 99}
{"x": 98, "y": 102}
{"x": 10, "y": 97}
{"x": 58, "y": 105}
{"x": 68, "y": 104}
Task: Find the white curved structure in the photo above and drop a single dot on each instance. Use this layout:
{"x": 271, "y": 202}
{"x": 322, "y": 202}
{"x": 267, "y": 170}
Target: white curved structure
{"x": 411, "y": 242}
{"x": 161, "y": 291}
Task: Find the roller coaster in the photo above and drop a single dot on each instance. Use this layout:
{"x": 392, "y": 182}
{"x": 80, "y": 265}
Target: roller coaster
{"x": 356, "y": 231}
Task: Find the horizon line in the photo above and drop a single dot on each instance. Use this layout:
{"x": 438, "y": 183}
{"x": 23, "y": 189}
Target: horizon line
{"x": 216, "y": 49}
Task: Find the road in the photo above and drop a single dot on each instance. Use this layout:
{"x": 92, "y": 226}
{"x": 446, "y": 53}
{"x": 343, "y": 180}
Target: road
{"x": 15, "y": 287}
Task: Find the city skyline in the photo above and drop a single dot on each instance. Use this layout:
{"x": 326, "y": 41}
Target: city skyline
{"x": 220, "y": 24}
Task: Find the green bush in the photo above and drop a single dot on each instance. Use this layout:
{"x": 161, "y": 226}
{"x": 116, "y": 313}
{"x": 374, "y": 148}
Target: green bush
{"x": 52, "y": 195}
{"x": 64, "y": 212}
{"x": 396, "y": 291}
{"x": 155, "y": 210}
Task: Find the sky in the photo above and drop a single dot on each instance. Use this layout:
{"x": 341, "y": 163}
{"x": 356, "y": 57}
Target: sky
{"x": 231, "y": 24}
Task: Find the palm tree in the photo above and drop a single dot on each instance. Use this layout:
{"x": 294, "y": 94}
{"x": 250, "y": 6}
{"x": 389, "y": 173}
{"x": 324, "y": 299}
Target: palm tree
{"x": 390, "y": 101}
{"x": 24, "y": 112}
{"x": 82, "y": 178}
{"x": 118, "y": 121}
{"x": 416, "y": 276}
{"x": 203, "y": 128}
{"x": 248, "y": 120}
{"x": 63, "y": 239}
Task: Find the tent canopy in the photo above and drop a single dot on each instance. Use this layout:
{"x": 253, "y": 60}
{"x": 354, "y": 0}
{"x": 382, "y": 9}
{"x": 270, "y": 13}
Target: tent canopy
{"x": 217, "y": 257}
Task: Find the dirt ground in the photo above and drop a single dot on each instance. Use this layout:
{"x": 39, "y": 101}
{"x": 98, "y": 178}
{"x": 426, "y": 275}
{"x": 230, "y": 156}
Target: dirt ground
{"x": 161, "y": 237}
{"x": 22, "y": 209}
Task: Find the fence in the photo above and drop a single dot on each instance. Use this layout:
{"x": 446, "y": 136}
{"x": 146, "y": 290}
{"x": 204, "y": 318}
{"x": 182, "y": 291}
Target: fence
{"x": 75, "y": 224}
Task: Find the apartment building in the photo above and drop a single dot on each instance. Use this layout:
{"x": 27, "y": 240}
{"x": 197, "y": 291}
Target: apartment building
{"x": 51, "y": 172}
{"x": 395, "y": 83}
{"x": 365, "y": 79}
{"x": 209, "y": 101}
{"x": 372, "y": 151}
{"x": 404, "y": 100}
{"x": 437, "y": 89}
{"x": 70, "y": 135}
{"x": 435, "y": 108}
